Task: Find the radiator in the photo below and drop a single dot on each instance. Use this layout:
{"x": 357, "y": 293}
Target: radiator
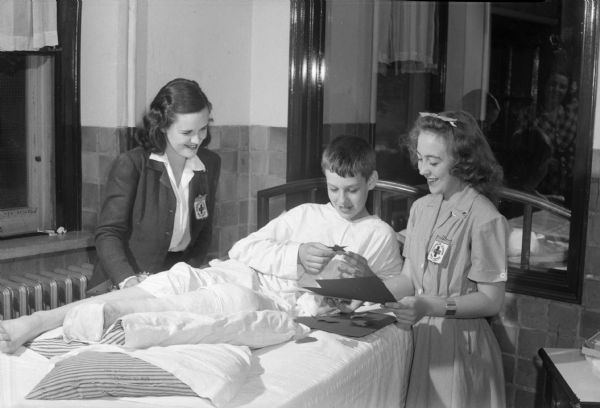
{"x": 29, "y": 292}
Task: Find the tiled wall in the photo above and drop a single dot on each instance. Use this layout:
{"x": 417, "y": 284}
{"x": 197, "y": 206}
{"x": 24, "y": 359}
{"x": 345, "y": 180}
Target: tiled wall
{"x": 99, "y": 147}
{"x": 253, "y": 158}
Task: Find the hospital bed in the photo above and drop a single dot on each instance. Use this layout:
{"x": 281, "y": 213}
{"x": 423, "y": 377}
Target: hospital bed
{"x": 322, "y": 369}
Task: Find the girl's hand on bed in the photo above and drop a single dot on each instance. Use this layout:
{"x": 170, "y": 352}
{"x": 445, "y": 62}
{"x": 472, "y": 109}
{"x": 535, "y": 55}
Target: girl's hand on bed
{"x": 134, "y": 280}
{"x": 313, "y": 256}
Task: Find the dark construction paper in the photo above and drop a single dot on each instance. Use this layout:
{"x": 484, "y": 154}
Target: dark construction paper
{"x": 351, "y": 325}
{"x": 370, "y": 289}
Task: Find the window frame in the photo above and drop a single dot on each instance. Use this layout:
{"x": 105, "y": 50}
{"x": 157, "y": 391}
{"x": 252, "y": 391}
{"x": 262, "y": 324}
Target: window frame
{"x": 305, "y": 122}
{"x": 67, "y": 118}
{"x": 38, "y": 122}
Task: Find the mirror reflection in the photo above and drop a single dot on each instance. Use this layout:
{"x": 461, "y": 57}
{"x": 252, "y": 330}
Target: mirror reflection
{"x": 513, "y": 66}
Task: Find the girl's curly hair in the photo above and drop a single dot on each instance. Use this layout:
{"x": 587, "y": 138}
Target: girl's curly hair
{"x": 176, "y": 97}
{"x": 474, "y": 161}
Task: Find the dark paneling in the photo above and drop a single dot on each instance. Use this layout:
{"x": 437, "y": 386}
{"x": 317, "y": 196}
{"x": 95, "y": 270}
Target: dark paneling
{"x": 68, "y": 121}
{"x": 305, "y": 110}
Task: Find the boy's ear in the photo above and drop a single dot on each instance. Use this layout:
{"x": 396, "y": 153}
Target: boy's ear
{"x": 372, "y": 180}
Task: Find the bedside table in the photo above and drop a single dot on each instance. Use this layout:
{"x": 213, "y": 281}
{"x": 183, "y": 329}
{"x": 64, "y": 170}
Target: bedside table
{"x": 569, "y": 380}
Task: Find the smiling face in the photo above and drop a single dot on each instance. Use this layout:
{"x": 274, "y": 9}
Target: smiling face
{"x": 186, "y": 134}
{"x": 556, "y": 90}
{"x": 434, "y": 162}
{"x": 348, "y": 195}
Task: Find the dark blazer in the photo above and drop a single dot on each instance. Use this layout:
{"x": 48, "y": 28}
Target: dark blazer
{"x": 136, "y": 220}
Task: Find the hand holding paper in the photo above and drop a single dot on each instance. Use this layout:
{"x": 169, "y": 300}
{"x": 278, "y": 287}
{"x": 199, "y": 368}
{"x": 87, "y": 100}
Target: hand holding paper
{"x": 314, "y": 256}
{"x": 409, "y": 309}
{"x": 354, "y": 266}
{"x": 348, "y": 276}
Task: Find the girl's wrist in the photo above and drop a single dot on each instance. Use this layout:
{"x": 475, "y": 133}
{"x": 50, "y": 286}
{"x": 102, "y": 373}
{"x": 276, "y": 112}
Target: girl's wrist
{"x": 435, "y": 306}
{"x": 430, "y": 305}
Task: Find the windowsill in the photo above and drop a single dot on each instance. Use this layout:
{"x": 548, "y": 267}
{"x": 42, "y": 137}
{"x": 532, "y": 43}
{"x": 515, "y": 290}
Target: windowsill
{"x": 44, "y": 244}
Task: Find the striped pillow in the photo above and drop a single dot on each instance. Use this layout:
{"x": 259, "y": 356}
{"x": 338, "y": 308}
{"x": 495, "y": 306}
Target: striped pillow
{"x": 52, "y": 347}
{"x": 92, "y": 374}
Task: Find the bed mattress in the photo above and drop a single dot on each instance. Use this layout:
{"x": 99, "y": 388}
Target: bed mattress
{"x": 324, "y": 369}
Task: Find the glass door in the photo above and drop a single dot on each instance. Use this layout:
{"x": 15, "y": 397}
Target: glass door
{"x": 368, "y": 68}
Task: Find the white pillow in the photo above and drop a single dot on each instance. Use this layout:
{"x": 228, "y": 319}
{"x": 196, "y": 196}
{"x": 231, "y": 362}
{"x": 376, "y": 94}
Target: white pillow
{"x": 84, "y": 322}
{"x": 254, "y": 329}
{"x": 515, "y": 242}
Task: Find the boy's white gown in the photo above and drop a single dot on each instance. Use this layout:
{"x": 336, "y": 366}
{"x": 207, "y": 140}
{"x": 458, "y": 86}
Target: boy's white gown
{"x": 266, "y": 261}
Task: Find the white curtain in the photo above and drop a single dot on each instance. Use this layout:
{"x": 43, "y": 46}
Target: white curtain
{"x": 407, "y": 34}
{"x": 27, "y": 25}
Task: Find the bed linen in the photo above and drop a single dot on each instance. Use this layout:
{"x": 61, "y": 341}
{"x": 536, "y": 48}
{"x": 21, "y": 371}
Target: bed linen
{"x": 549, "y": 246}
{"x": 324, "y": 369}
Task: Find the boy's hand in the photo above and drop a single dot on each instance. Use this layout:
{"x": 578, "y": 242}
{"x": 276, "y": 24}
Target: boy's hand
{"x": 313, "y": 256}
{"x": 346, "y": 306}
{"x": 354, "y": 266}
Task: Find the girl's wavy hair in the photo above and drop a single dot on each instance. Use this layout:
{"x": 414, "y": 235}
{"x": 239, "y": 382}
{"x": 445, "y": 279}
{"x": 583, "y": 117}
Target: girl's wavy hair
{"x": 178, "y": 96}
{"x": 474, "y": 161}
{"x": 349, "y": 156}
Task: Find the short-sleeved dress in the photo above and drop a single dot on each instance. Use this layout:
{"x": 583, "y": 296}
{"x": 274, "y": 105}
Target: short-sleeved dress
{"x": 457, "y": 362}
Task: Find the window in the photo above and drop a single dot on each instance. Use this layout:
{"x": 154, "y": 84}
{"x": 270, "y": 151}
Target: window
{"x": 26, "y": 135}
{"x": 467, "y": 51}
{"x": 40, "y": 135}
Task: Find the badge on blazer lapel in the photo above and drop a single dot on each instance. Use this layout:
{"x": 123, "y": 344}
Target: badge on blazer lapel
{"x": 439, "y": 250}
{"x": 200, "y": 209}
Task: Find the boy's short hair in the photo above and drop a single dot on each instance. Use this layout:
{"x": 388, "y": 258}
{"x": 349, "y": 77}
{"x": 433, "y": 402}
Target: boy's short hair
{"x": 349, "y": 156}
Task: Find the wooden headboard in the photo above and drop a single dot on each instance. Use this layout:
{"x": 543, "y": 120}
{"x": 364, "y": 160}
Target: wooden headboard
{"x": 391, "y": 201}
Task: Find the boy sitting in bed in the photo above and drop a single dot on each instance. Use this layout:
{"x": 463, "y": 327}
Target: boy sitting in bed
{"x": 266, "y": 269}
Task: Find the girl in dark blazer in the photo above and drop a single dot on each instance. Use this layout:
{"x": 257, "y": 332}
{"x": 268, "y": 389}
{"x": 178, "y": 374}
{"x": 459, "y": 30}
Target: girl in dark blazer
{"x": 159, "y": 198}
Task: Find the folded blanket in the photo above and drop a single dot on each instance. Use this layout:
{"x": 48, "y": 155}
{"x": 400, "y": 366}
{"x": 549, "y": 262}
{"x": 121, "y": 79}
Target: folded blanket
{"x": 87, "y": 322}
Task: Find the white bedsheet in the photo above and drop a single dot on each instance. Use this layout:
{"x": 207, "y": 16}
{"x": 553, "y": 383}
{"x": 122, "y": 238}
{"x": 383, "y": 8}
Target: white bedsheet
{"x": 332, "y": 371}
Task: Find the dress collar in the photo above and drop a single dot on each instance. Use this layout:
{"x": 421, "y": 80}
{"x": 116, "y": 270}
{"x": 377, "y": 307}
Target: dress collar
{"x": 461, "y": 202}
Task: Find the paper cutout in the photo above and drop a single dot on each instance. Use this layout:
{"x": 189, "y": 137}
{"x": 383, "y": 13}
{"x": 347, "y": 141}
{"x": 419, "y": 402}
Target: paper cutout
{"x": 351, "y": 325}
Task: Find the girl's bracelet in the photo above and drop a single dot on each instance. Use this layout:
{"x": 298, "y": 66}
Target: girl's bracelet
{"x": 450, "y": 307}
